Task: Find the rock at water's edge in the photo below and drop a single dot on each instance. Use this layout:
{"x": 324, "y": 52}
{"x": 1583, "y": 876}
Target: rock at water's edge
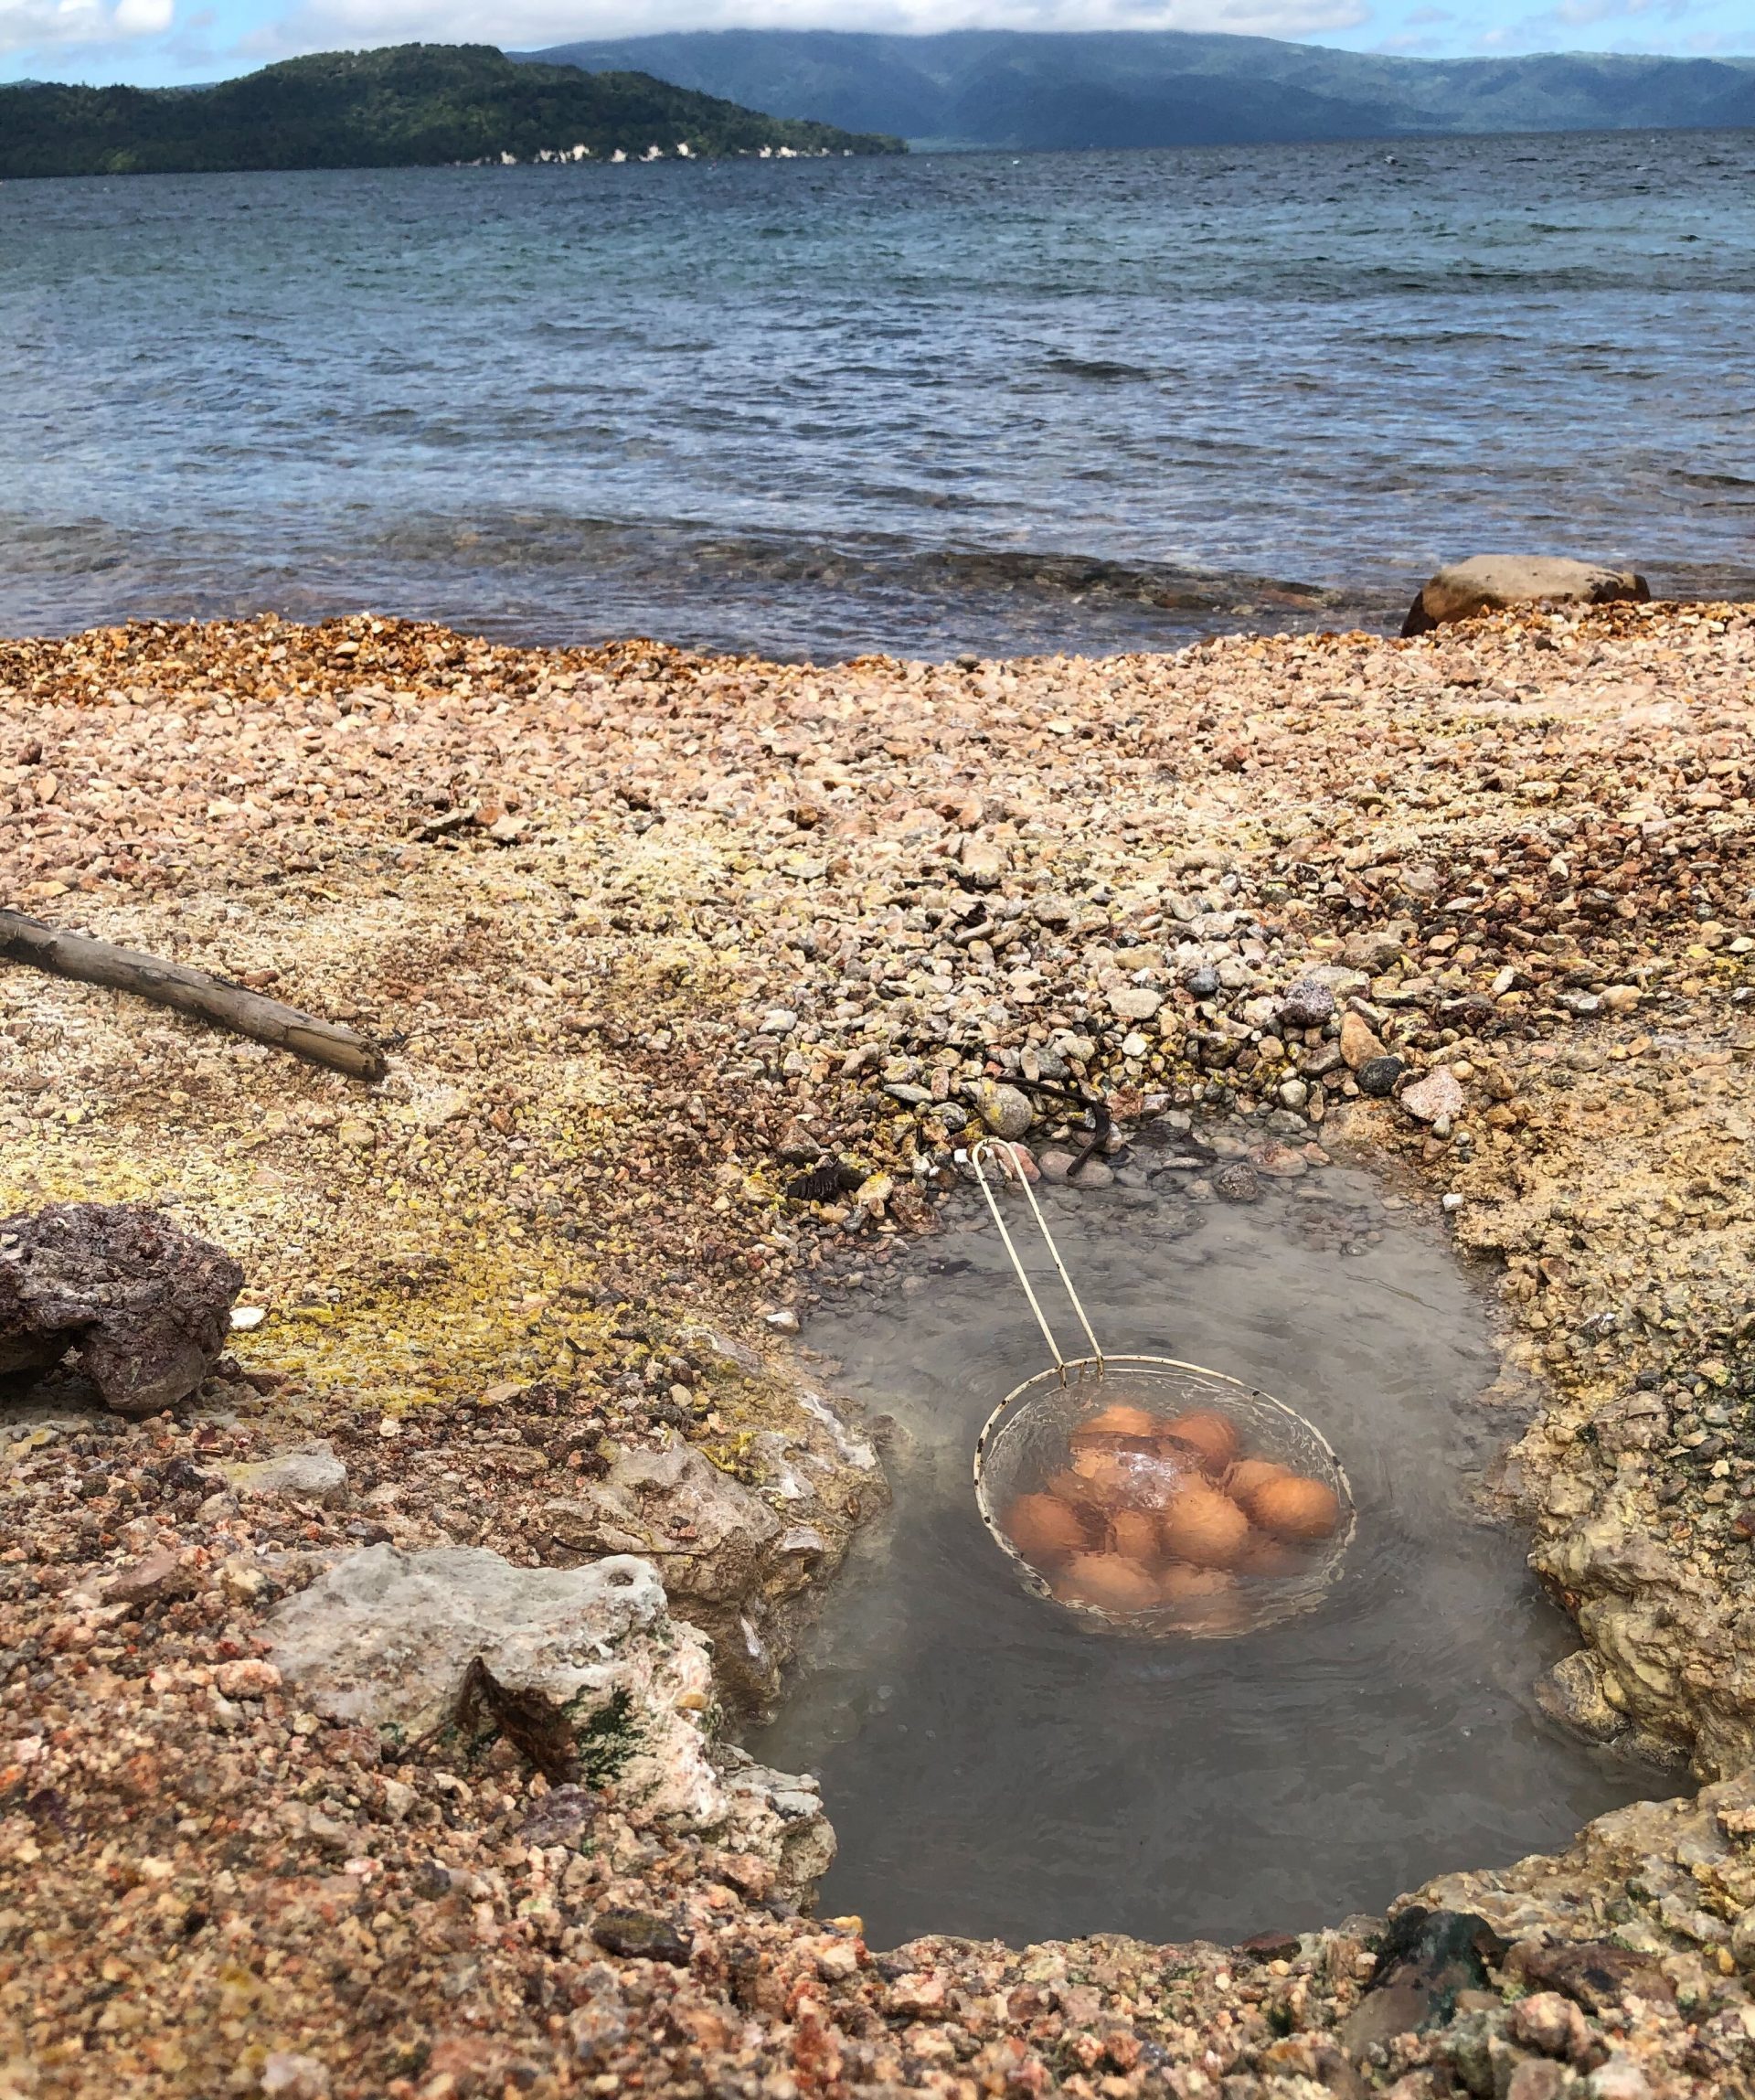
{"x": 384, "y": 1638}
{"x": 1490, "y": 582}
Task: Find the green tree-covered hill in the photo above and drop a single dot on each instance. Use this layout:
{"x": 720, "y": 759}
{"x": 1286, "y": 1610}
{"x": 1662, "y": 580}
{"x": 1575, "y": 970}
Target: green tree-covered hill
{"x": 415, "y": 105}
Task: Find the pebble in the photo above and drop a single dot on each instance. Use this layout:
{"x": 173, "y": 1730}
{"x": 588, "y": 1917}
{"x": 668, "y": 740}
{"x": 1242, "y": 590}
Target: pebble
{"x": 1307, "y": 1004}
{"x": 1235, "y": 1182}
{"x": 1432, "y": 1099}
{"x": 1006, "y": 1110}
{"x": 1378, "y": 1075}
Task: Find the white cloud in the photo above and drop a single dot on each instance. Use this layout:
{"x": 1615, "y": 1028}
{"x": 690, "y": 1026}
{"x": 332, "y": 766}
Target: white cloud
{"x": 319, "y": 24}
{"x": 38, "y": 24}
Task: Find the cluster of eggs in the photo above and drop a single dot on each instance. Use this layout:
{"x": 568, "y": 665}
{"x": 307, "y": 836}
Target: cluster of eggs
{"x": 1154, "y": 1514}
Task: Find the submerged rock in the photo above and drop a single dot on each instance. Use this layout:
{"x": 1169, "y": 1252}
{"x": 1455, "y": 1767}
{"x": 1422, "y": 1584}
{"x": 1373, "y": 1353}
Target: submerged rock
{"x": 146, "y": 1304}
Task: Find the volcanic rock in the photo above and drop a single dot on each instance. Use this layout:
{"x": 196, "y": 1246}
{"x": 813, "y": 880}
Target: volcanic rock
{"x": 146, "y": 1304}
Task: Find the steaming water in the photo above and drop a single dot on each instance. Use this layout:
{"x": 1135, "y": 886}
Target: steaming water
{"x": 994, "y": 1767}
{"x": 1076, "y": 402}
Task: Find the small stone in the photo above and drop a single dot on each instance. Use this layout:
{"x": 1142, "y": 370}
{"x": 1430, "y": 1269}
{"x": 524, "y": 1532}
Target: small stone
{"x": 1236, "y": 1182}
{"x": 1293, "y": 1094}
{"x": 981, "y": 863}
{"x": 874, "y": 1192}
{"x": 1270, "y": 1946}
{"x": 357, "y": 1135}
{"x": 286, "y": 2076}
{"x": 785, "y": 1321}
{"x": 1438, "y": 1094}
{"x": 1280, "y": 1161}
{"x": 778, "y": 1021}
{"x": 1004, "y": 1110}
{"x": 796, "y": 1145}
{"x": 245, "y": 1319}
{"x": 1202, "y": 982}
{"x": 917, "y": 1997}
{"x": 1377, "y": 1075}
{"x": 1056, "y": 1166}
{"x": 1134, "y": 1044}
{"x": 1450, "y": 1203}
{"x": 1621, "y": 998}
{"x": 637, "y": 1935}
{"x": 1596, "y": 1973}
{"x": 1359, "y": 1042}
{"x": 158, "y": 1575}
{"x": 1538, "y": 2078}
{"x": 1620, "y": 2079}
{"x": 1135, "y": 1002}
{"x": 1547, "y": 2021}
{"x": 312, "y": 1474}
{"x": 1372, "y": 953}
{"x": 1307, "y": 1004}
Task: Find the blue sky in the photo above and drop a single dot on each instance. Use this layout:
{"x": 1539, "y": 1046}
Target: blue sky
{"x": 153, "y": 42}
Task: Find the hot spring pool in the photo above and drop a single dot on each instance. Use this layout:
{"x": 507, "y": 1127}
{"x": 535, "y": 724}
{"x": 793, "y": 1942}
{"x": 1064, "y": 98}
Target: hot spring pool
{"x": 997, "y": 1768}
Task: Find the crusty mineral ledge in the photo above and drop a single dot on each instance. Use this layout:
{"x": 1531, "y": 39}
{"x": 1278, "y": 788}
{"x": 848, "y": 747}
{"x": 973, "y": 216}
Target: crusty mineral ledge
{"x": 651, "y": 934}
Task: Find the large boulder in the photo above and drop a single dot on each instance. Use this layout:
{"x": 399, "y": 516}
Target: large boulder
{"x": 146, "y": 1304}
{"x": 1490, "y": 582}
{"x": 386, "y": 1638}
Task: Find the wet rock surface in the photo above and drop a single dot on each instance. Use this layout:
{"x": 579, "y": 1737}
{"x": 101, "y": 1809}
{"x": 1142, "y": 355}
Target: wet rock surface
{"x": 629, "y": 916}
{"x": 1493, "y": 582}
{"x": 144, "y": 1304}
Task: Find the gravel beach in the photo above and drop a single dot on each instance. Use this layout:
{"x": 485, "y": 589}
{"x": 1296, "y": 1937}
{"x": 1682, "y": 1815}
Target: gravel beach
{"x": 649, "y": 937}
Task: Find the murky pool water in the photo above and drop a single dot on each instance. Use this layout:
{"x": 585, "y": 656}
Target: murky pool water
{"x": 995, "y": 1768}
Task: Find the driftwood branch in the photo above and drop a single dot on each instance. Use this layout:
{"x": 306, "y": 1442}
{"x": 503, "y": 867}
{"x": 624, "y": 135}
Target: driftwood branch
{"x": 230, "y": 1005}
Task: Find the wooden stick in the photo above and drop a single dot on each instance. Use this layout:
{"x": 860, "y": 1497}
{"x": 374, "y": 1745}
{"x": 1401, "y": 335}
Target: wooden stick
{"x": 189, "y": 991}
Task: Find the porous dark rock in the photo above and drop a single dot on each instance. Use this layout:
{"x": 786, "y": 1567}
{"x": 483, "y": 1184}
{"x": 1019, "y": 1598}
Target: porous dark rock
{"x": 1377, "y": 1075}
{"x": 146, "y": 1304}
{"x": 1307, "y": 1004}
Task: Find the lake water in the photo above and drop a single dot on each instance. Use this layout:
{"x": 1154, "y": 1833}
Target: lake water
{"x": 1076, "y": 402}
{"x": 994, "y": 1766}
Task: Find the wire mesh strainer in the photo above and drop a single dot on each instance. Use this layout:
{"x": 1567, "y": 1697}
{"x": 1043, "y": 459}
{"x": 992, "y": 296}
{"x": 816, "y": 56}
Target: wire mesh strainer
{"x": 1151, "y": 1495}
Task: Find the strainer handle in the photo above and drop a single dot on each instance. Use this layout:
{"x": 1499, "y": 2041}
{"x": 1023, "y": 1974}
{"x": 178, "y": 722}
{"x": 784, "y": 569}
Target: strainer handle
{"x": 1000, "y": 1148}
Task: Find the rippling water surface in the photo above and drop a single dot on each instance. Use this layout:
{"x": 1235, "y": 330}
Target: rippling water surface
{"x": 1070, "y": 401}
{"x": 994, "y": 1767}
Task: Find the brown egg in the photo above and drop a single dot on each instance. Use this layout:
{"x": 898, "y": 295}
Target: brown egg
{"x": 1044, "y": 1530}
{"x": 1119, "y": 1420}
{"x": 1201, "y": 1525}
{"x": 1133, "y": 1534}
{"x": 1211, "y": 1434}
{"x": 1203, "y": 1600}
{"x": 1128, "y": 1479}
{"x": 1296, "y": 1507}
{"x": 1249, "y": 1474}
{"x": 1265, "y": 1555}
{"x": 1107, "y": 1581}
{"x": 1073, "y": 1488}
{"x": 1181, "y": 1584}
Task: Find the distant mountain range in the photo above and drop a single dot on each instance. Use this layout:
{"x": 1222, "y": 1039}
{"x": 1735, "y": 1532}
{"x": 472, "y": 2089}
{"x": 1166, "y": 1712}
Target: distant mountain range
{"x": 1158, "y": 88}
{"x": 413, "y": 105}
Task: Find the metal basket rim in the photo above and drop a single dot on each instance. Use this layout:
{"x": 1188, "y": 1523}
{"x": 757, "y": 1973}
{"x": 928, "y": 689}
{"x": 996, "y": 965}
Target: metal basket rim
{"x": 1057, "y": 1374}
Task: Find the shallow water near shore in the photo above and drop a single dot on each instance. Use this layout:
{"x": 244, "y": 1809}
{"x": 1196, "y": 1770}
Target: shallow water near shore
{"x": 1064, "y": 402}
{"x": 994, "y": 1767}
